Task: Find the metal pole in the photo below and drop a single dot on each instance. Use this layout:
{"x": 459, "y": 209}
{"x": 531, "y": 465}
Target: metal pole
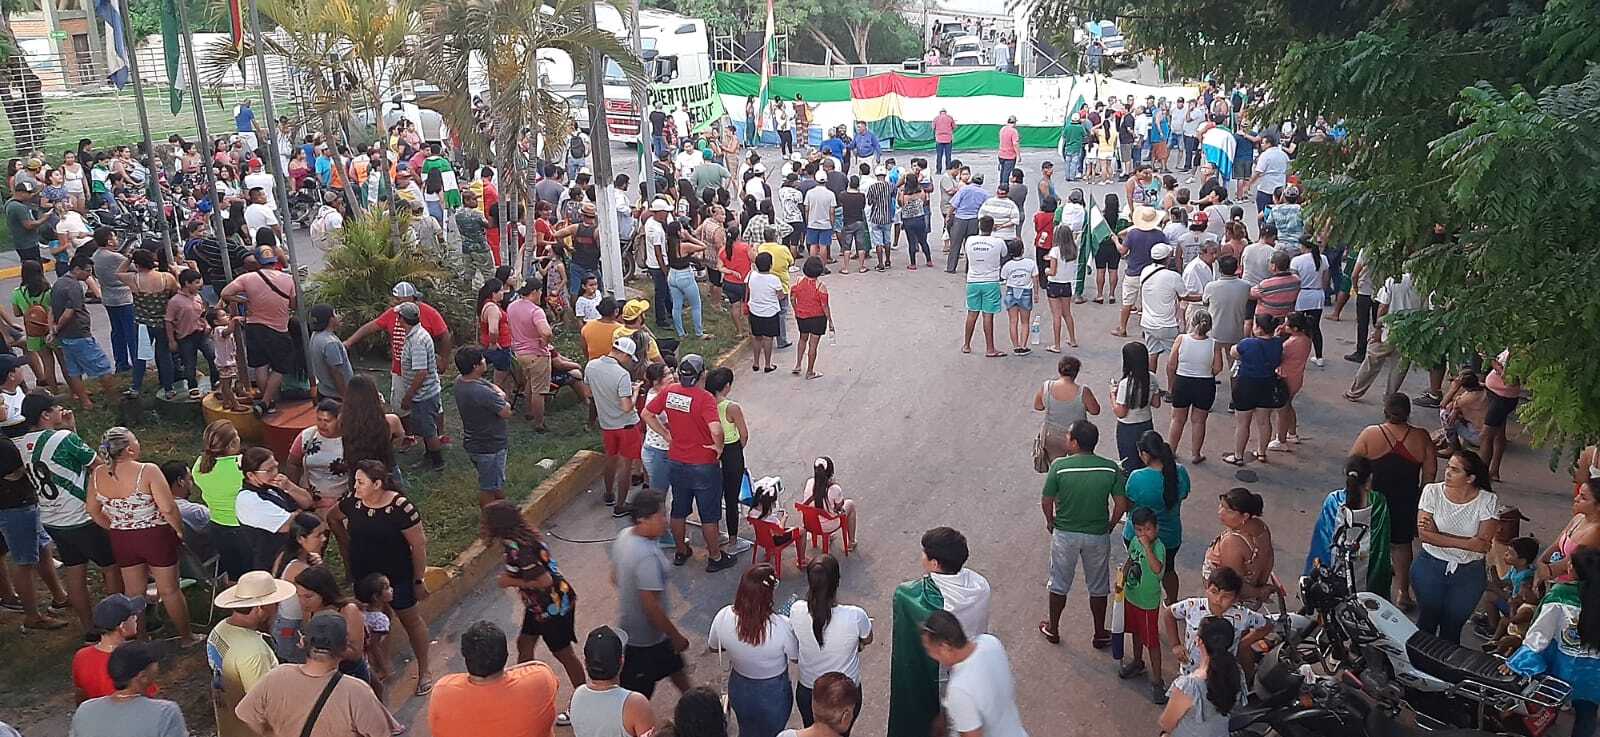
{"x": 152, "y": 186}
{"x": 641, "y": 102}
{"x": 207, "y": 179}
{"x": 600, "y": 154}
{"x": 275, "y": 165}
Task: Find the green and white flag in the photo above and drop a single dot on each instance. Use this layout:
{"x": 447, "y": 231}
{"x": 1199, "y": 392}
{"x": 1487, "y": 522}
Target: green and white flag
{"x": 1096, "y": 231}
{"x": 769, "y": 49}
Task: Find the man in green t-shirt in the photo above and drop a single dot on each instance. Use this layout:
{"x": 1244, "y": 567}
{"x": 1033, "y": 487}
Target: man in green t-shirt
{"x": 1083, "y": 497}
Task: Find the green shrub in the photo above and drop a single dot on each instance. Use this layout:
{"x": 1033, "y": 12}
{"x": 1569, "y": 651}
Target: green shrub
{"x": 374, "y": 251}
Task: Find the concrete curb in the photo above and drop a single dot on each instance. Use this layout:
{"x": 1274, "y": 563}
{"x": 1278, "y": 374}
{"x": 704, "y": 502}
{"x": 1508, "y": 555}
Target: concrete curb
{"x": 450, "y": 584}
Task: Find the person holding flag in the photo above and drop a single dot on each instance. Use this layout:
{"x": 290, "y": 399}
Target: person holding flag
{"x": 948, "y": 586}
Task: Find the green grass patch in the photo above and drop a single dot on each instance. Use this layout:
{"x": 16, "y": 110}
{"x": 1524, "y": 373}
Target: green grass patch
{"x": 36, "y": 687}
{"x": 112, "y": 118}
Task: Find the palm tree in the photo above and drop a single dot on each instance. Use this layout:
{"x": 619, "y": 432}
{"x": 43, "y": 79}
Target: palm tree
{"x": 500, "y": 39}
{"x": 346, "y": 53}
{"x": 20, "y": 88}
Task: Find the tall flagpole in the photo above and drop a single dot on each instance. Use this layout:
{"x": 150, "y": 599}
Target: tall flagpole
{"x": 600, "y": 154}
{"x": 275, "y": 165}
{"x": 207, "y": 179}
{"x": 152, "y": 185}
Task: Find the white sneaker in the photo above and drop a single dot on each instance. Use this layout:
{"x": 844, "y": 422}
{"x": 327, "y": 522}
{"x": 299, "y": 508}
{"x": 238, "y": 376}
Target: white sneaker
{"x": 1278, "y": 445}
{"x": 1318, "y": 362}
{"x": 562, "y": 720}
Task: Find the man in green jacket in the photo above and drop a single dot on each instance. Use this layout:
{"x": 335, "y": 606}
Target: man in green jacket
{"x": 1072, "y": 136}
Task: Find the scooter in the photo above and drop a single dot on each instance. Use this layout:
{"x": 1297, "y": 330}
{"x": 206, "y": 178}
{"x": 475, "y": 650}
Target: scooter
{"x": 1449, "y": 686}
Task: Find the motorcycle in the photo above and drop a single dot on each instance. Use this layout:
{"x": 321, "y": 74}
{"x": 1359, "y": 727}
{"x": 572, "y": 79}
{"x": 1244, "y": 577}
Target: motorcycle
{"x": 1448, "y": 685}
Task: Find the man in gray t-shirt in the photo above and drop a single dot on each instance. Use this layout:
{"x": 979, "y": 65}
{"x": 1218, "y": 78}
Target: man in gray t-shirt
{"x": 613, "y": 390}
{"x": 117, "y": 297}
{"x": 330, "y": 362}
{"x": 640, "y": 572}
{"x": 128, "y": 711}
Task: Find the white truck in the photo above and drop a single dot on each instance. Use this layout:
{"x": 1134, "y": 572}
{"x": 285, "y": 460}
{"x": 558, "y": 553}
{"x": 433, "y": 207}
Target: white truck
{"x": 677, "y": 58}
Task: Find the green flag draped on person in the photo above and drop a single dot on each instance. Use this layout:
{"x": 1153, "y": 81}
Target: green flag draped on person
{"x": 913, "y": 676}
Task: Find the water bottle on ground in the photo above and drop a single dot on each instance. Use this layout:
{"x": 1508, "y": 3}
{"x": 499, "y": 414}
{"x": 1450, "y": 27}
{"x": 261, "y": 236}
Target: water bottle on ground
{"x": 1033, "y": 331}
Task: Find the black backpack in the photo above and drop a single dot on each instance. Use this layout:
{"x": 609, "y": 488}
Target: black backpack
{"x": 575, "y": 147}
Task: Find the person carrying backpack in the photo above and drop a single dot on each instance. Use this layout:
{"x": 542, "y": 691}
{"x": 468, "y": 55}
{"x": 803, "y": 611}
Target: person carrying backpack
{"x": 577, "y": 149}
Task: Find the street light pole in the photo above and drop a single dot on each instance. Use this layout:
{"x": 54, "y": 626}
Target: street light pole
{"x": 600, "y": 154}
{"x": 152, "y": 185}
{"x": 275, "y": 165}
{"x": 641, "y": 102}
{"x": 207, "y": 180}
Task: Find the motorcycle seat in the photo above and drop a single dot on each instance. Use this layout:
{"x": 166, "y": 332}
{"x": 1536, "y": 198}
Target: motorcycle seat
{"x": 1450, "y": 662}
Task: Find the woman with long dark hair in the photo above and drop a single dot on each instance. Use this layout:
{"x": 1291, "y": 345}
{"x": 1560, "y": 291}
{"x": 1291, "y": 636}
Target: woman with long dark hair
{"x": 699, "y": 713}
{"x": 1356, "y": 504}
{"x": 494, "y": 334}
{"x": 387, "y": 537}
{"x": 1456, "y": 522}
{"x": 1133, "y": 396}
{"x": 1200, "y": 701}
{"x": 370, "y": 430}
{"x": 30, "y": 301}
{"x": 549, "y": 603}
{"x": 759, "y": 644}
{"x": 914, "y": 218}
{"x": 317, "y": 591}
{"x": 1564, "y": 641}
{"x": 1297, "y": 348}
{"x": 1160, "y": 484}
{"x": 1107, "y": 259}
{"x": 1312, "y": 268}
{"x": 308, "y": 535}
{"x": 735, "y": 434}
{"x": 830, "y": 634}
{"x": 824, "y": 493}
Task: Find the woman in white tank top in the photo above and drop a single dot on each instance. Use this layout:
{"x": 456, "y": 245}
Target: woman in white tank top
{"x": 1192, "y": 374}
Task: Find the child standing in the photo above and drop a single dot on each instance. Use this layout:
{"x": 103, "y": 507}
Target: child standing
{"x": 587, "y": 306}
{"x": 1141, "y": 591}
{"x": 1017, "y": 276}
{"x": 374, "y": 595}
{"x": 1044, "y": 227}
{"x": 222, "y": 346}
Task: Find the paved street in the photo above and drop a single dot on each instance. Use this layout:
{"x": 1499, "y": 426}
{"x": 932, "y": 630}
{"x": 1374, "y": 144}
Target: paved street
{"x": 923, "y": 436}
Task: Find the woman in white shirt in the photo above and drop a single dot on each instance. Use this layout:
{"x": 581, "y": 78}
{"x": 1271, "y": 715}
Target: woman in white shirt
{"x": 1312, "y": 269}
{"x": 1192, "y": 374}
{"x": 759, "y": 644}
{"x": 1132, "y": 397}
{"x": 831, "y": 639}
{"x": 1456, "y": 523}
{"x": 764, "y": 298}
{"x": 1060, "y": 274}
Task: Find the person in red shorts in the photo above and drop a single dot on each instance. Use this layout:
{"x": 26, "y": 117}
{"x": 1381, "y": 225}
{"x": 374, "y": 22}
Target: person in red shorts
{"x": 613, "y": 391}
{"x": 1141, "y": 592}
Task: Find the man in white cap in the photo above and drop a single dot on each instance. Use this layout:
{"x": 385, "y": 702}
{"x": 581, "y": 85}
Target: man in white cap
{"x": 611, "y": 384}
{"x": 288, "y": 698}
{"x": 237, "y": 648}
{"x": 1135, "y": 248}
{"x": 1161, "y": 289}
{"x": 389, "y": 322}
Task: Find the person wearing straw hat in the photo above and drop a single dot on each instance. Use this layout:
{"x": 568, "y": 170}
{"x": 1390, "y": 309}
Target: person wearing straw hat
{"x": 237, "y": 649}
{"x": 1135, "y": 250}
{"x": 315, "y": 692}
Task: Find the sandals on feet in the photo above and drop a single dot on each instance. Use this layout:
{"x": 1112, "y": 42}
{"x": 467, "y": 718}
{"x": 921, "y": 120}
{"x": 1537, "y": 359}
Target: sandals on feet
{"x": 1233, "y": 459}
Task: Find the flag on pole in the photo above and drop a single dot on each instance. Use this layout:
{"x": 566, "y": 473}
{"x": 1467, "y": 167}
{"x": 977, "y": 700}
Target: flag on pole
{"x": 769, "y": 49}
{"x": 236, "y": 27}
{"x": 117, "y": 51}
{"x": 169, "y": 45}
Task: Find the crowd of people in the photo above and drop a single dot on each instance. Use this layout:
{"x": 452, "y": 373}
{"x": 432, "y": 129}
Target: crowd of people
{"x": 1182, "y": 263}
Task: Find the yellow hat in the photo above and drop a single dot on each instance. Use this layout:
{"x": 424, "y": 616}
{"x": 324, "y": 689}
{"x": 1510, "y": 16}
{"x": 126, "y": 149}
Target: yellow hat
{"x": 634, "y": 308}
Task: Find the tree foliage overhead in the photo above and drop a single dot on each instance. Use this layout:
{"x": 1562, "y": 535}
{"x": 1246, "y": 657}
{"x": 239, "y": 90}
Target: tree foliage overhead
{"x": 1483, "y": 117}
{"x": 854, "y": 31}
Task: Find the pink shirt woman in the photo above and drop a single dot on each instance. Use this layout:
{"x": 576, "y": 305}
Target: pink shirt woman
{"x": 1296, "y": 350}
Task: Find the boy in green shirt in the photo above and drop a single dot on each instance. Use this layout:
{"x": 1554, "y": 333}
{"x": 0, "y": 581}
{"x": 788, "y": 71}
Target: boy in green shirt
{"x": 1141, "y": 591}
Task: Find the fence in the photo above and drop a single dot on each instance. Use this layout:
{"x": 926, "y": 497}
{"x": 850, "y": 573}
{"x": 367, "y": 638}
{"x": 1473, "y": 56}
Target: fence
{"x": 76, "y": 101}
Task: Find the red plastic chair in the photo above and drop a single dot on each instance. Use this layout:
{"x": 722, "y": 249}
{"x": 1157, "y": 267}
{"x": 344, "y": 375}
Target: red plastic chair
{"x": 813, "y": 518}
{"x": 767, "y": 534}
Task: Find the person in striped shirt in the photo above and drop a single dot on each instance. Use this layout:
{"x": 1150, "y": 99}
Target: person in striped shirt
{"x": 1275, "y": 295}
